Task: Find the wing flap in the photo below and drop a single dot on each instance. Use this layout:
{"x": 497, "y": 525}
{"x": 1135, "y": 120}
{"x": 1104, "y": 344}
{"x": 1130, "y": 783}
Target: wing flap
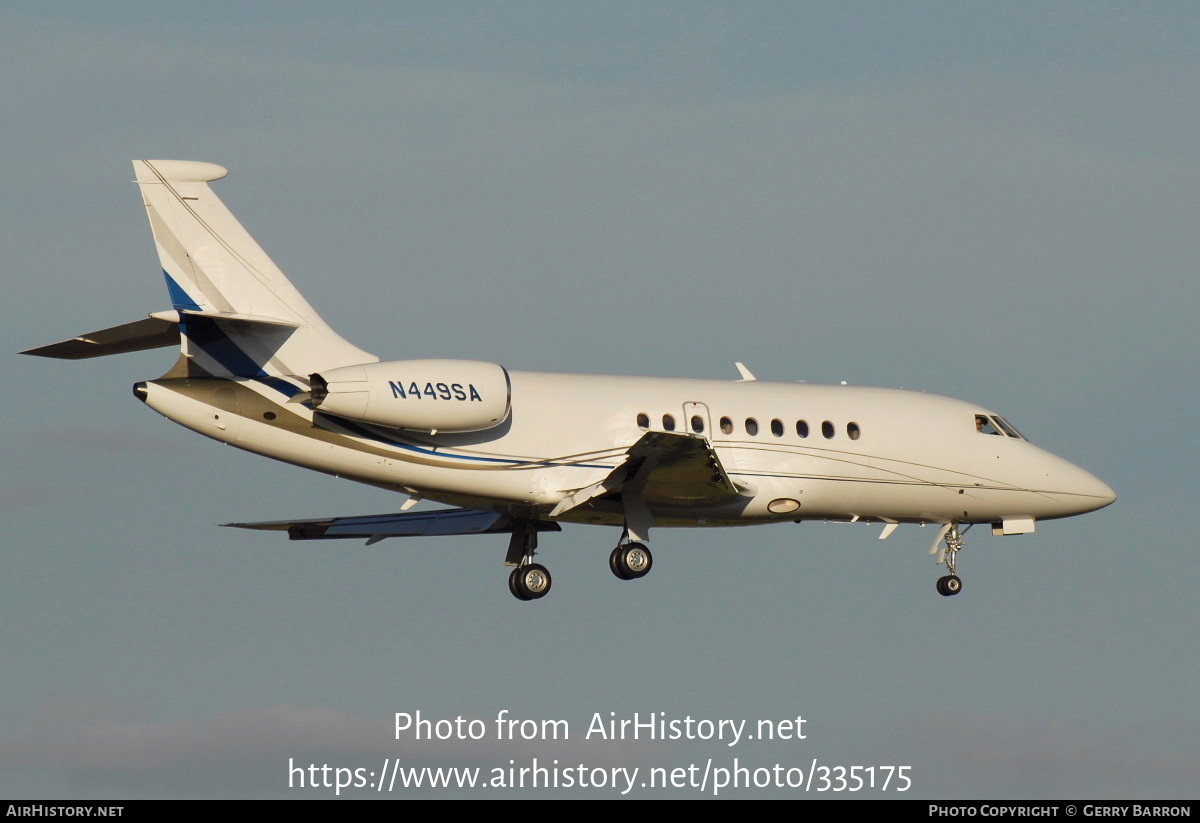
{"x": 677, "y": 469}
{"x": 683, "y": 469}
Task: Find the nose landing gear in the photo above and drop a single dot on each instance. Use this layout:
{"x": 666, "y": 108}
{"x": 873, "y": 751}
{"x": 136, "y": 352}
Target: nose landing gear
{"x": 951, "y": 584}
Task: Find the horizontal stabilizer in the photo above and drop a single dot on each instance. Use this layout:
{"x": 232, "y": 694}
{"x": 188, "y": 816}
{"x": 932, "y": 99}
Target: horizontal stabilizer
{"x": 159, "y": 330}
{"x": 240, "y": 318}
{"x": 400, "y": 524}
{"x": 151, "y": 333}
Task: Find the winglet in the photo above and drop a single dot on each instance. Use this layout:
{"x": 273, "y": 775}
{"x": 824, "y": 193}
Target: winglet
{"x": 746, "y": 374}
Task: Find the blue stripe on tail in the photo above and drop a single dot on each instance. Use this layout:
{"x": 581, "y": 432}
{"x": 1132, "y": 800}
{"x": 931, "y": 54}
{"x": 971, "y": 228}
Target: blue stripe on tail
{"x": 179, "y": 298}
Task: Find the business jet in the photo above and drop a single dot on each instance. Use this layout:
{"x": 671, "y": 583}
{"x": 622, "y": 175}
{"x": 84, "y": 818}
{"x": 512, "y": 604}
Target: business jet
{"x": 520, "y": 453}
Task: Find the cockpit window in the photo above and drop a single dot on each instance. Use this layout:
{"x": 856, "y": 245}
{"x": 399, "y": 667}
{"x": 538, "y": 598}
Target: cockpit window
{"x": 997, "y": 425}
{"x": 984, "y": 425}
{"x": 1008, "y": 428}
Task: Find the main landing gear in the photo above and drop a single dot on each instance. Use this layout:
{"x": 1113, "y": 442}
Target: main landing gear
{"x": 629, "y": 561}
{"x": 529, "y": 580}
{"x": 951, "y": 584}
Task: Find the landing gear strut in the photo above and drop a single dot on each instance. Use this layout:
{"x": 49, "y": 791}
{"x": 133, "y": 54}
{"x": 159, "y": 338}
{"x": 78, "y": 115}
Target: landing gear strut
{"x": 951, "y": 584}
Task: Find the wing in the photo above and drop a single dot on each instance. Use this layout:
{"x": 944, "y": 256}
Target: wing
{"x": 672, "y": 469}
{"x": 376, "y": 527}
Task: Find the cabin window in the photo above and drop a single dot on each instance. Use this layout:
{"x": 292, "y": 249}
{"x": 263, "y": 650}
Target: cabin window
{"x": 852, "y": 431}
{"x": 827, "y": 430}
{"x": 802, "y": 428}
{"x": 777, "y": 427}
{"x": 697, "y": 423}
{"x": 669, "y": 422}
{"x": 643, "y": 420}
{"x": 751, "y": 426}
{"x": 726, "y": 425}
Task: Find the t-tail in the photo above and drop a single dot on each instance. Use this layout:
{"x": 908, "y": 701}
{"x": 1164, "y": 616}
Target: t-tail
{"x": 233, "y": 313}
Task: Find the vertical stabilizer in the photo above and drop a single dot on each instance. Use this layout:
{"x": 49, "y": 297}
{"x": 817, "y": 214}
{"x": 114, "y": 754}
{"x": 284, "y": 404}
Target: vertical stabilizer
{"x": 239, "y": 315}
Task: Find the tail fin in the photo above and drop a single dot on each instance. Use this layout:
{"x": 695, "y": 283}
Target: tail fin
{"x": 238, "y": 314}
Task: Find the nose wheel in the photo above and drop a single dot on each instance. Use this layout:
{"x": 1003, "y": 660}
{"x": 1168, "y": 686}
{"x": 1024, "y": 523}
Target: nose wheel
{"x": 949, "y": 585}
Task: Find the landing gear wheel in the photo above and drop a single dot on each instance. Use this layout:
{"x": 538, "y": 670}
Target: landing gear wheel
{"x": 949, "y": 585}
{"x": 514, "y": 585}
{"x": 529, "y": 582}
{"x": 637, "y": 560}
{"x": 614, "y": 563}
{"x": 630, "y": 561}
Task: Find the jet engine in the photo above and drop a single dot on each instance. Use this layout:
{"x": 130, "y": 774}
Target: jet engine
{"x": 420, "y": 395}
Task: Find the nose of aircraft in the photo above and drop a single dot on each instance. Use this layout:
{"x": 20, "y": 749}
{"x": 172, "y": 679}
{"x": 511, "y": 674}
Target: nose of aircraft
{"x": 1079, "y": 491}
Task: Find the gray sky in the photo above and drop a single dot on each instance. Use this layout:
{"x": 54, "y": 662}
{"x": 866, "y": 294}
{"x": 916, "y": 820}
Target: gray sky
{"x": 993, "y": 201}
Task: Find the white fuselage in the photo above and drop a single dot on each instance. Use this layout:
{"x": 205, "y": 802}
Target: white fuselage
{"x": 795, "y": 451}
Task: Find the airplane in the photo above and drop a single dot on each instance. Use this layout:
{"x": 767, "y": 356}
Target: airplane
{"x": 520, "y": 453}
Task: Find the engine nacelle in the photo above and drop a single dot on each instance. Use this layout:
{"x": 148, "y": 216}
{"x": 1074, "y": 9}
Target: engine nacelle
{"x": 421, "y": 395}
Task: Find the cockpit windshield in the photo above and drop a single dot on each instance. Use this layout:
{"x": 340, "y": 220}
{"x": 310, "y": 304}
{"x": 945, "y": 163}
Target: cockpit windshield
{"x": 1007, "y": 427}
{"x": 997, "y": 425}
